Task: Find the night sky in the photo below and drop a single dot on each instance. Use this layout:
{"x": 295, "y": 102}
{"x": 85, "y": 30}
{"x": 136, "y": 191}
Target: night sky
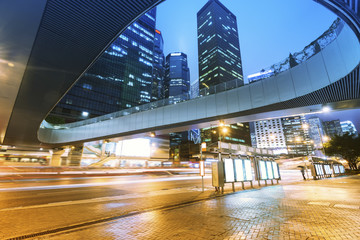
{"x": 268, "y": 31}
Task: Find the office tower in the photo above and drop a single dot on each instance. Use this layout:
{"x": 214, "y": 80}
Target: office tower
{"x": 269, "y": 134}
{"x": 296, "y": 135}
{"x": 333, "y": 128}
{"x": 218, "y": 46}
{"x": 177, "y": 77}
{"x": 158, "y": 67}
{"x": 316, "y": 131}
{"x": 121, "y": 78}
{"x": 348, "y": 127}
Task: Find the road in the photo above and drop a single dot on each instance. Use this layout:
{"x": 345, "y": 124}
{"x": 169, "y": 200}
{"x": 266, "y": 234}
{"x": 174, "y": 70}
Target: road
{"x": 34, "y": 205}
{"x": 39, "y": 205}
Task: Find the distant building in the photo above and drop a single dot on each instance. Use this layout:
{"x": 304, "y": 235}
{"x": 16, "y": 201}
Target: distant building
{"x": 269, "y": 134}
{"x": 348, "y": 127}
{"x": 333, "y": 128}
{"x": 158, "y": 68}
{"x": 296, "y": 135}
{"x": 316, "y": 131}
{"x": 194, "y": 90}
{"x": 218, "y": 46}
{"x": 236, "y": 133}
{"x": 177, "y": 77}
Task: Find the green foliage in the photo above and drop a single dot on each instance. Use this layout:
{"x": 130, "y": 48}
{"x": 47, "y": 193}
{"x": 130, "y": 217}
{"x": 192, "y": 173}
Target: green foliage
{"x": 347, "y": 146}
{"x": 55, "y": 120}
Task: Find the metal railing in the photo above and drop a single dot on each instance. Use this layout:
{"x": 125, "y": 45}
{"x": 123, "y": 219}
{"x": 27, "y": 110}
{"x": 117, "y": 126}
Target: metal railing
{"x": 310, "y": 50}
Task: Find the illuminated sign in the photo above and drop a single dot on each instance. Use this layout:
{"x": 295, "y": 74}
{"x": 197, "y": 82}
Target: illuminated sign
{"x": 263, "y": 174}
{"x": 336, "y": 169}
{"x": 269, "y": 170}
{"x": 229, "y": 170}
{"x": 327, "y": 169}
{"x": 342, "y": 169}
{"x": 248, "y": 170}
{"x": 276, "y": 170}
{"x": 239, "y": 170}
{"x": 203, "y": 146}
{"x": 202, "y": 168}
{"x": 175, "y": 54}
{"x": 319, "y": 169}
{"x": 157, "y": 31}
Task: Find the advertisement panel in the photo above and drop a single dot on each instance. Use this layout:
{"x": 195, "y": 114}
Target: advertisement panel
{"x": 248, "y": 170}
{"x": 269, "y": 170}
{"x": 319, "y": 170}
{"x": 327, "y": 169}
{"x": 263, "y": 174}
{"x": 342, "y": 169}
{"x": 229, "y": 170}
{"x": 276, "y": 170}
{"x": 239, "y": 170}
{"x": 336, "y": 169}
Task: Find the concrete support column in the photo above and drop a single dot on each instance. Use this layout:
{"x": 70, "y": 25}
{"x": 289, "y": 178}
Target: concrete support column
{"x": 55, "y": 160}
{"x": 75, "y": 156}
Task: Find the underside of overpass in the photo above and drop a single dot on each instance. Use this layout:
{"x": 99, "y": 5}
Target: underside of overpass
{"x": 67, "y": 28}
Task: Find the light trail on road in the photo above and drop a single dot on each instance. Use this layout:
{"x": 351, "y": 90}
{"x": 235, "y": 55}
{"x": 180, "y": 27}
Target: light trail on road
{"x": 81, "y": 185}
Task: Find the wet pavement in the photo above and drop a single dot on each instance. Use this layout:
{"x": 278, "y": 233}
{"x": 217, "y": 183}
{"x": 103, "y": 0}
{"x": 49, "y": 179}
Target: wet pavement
{"x": 323, "y": 209}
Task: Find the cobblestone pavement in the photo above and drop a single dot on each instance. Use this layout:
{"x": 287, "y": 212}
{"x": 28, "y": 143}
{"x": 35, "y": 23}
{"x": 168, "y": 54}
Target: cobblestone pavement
{"x": 324, "y": 209}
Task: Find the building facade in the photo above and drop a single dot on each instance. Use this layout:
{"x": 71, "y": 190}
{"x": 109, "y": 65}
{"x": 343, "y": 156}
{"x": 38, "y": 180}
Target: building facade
{"x": 269, "y": 134}
{"x": 297, "y": 136}
{"x": 177, "y": 77}
{"x": 316, "y": 132}
{"x": 158, "y": 68}
{"x": 348, "y": 127}
{"x": 121, "y": 78}
{"x": 333, "y": 128}
{"x": 218, "y": 46}
{"x": 238, "y": 133}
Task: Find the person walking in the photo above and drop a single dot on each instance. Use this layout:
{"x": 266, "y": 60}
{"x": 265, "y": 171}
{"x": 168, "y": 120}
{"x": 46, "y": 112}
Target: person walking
{"x": 302, "y": 170}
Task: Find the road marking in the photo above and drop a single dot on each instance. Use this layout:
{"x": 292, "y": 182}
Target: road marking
{"x": 347, "y": 206}
{"x": 319, "y": 203}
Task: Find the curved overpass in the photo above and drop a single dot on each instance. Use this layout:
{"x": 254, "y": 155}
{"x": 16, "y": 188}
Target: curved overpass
{"x": 319, "y": 80}
{"x": 67, "y": 28}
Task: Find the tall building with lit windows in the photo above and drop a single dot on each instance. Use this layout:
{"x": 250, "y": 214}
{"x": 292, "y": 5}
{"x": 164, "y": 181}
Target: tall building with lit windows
{"x": 177, "y": 77}
{"x": 121, "y": 78}
{"x": 296, "y": 132}
{"x": 218, "y": 46}
{"x": 269, "y": 134}
{"x": 158, "y": 67}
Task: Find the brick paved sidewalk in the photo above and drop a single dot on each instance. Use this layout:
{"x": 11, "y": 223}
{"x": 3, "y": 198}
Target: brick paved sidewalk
{"x": 325, "y": 209}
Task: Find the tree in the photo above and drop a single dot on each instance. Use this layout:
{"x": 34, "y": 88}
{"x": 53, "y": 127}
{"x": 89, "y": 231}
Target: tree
{"x": 348, "y": 146}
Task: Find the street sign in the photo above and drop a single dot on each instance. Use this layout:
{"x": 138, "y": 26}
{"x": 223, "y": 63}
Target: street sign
{"x": 203, "y": 146}
{"x": 202, "y": 168}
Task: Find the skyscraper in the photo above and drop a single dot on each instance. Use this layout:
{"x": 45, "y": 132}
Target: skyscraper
{"x": 158, "y": 67}
{"x": 218, "y": 46}
{"x": 177, "y": 77}
{"x": 121, "y": 78}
